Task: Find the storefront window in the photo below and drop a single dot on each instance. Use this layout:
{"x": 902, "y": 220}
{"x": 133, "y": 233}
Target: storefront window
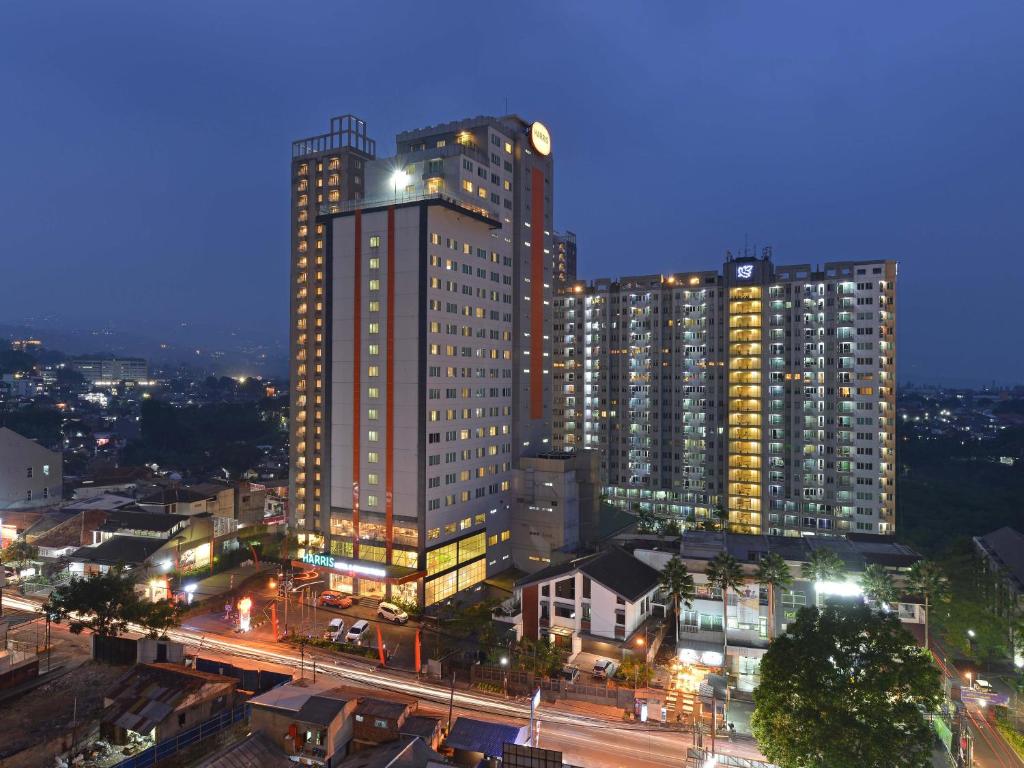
{"x": 405, "y": 592}
{"x": 472, "y": 574}
{"x": 472, "y": 547}
{"x": 441, "y": 558}
{"x": 341, "y": 548}
{"x": 436, "y": 590}
{"x": 404, "y": 558}
{"x": 372, "y": 552}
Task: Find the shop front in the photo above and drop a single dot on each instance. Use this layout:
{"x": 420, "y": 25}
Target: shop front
{"x": 365, "y": 578}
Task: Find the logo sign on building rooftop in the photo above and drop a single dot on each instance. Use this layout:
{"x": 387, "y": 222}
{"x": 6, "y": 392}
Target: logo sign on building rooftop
{"x": 540, "y": 139}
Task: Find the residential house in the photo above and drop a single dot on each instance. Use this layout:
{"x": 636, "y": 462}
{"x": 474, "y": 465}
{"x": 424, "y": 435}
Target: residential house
{"x": 312, "y": 722}
{"x": 158, "y": 701}
{"x": 473, "y": 741}
{"x": 596, "y": 603}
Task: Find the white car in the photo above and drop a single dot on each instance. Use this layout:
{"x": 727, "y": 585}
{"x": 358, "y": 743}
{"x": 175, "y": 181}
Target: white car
{"x": 603, "y": 669}
{"x": 392, "y": 612}
{"x": 355, "y": 634}
{"x": 335, "y": 630}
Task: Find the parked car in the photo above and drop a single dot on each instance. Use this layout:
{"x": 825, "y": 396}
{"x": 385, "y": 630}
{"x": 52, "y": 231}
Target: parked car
{"x": 392, "y": 612}
{"x": 334, "y": 599}
{"x": 335, "y": 630}
{"x": 570, "y": 673}
{"x": 603, "y": 669}
{"x": 355, "y": 634}
{"x": 983, "y": 685}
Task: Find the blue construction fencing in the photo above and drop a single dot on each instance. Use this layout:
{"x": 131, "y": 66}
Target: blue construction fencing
{"x": 255, "y": 680}
{"x": 165, "y": 749}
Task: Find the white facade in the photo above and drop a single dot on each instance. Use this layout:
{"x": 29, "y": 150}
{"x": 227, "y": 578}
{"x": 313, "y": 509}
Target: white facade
{"x": 30, "y": 475}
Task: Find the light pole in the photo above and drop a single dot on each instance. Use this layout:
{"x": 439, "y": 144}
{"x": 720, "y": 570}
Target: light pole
{"x": 504, "y": 673}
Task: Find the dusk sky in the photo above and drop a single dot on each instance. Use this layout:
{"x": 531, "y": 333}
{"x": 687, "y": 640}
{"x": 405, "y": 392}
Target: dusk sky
{"x": 144, "y": 147}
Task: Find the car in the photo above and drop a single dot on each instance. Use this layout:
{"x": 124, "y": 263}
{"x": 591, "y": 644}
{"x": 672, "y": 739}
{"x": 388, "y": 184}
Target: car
{"x": 983, "y": 685}
{"x": 335, "y": 630}
{"x": 603, "y": 669}
{"x": 570, "y": 673}
{"x": 355, "y": 634}
{"x": 392, "y": 612}
{"x": 306, "y": 576}
{"x": 334, "y": 599}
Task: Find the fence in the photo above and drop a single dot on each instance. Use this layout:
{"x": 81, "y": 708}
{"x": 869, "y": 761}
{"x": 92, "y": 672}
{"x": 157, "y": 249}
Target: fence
{"x": 522, "y": 683}
{"x": 700, "y": 757}
{"x": 165, "y": 749}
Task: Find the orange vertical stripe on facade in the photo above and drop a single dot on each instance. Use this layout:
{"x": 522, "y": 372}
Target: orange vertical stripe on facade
{"x": 357, "y": 342}
{"x": 537, "y": 295}
{"x": 389, "y": 408}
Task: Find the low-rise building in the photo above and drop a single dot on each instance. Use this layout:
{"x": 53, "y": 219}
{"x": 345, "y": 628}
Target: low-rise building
{"x": 1002, "y": 552}
{"x": 595, "y": 603}
{"x": 31, "y": 476}
{"x": 312, "y": 722}
{"x": 157, "y": 701}
{"x": 473, "y": 741}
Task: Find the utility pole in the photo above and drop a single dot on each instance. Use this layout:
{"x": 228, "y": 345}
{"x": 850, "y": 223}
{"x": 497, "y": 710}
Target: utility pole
{"x": 451, "y": 703}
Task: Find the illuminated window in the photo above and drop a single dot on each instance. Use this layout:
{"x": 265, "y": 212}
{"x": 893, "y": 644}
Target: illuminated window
{"x": 506, "y": 535}
{"x": 442, "y": 558}
{"x": 374, "y": 327}
{"x": 372, "y": 436}
{"x": 492, "y": 540}
{"x": 375, "y": 284}
{"x": 371, "y": 501}
{"x": 334, "y": 196}
{"x": 373, "y": 458}
{"x": 472, "y": 574}
{"x": 374, "y": 349}
{"x": 508, "y": 147}
{"x": 373, "y": 371}
{"x": 482, "y": 192}
{"x": 371, "y": 414}
{"x": 373, "y": 393}
{"x": 372, "y": 479}
{"x": 375, "y": 262}
{"x": 375, "y": 241}
{"x": 466, "y": 185}
{"x": 375, "y": 306}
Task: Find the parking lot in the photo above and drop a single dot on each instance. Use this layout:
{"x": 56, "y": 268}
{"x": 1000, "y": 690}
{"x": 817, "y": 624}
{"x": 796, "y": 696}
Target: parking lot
{"x": 586, "y": 661}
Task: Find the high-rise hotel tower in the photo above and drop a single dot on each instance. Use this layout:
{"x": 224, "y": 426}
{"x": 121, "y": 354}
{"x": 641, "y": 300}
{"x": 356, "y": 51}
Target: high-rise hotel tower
{"x": 762, "y": 394}
{"x": 421, "y": 303}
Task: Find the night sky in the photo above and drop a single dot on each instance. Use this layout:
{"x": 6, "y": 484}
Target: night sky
{"x": 144, "y": 147}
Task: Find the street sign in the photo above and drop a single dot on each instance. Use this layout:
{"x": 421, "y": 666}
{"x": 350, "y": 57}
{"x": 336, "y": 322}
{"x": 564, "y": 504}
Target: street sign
{"x": 983, "y": 698}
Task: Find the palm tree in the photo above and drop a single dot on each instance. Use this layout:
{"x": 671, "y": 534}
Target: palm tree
{"x": 927, "y": 578}
{"x": 724, "y": 572}
{"x": 877, "y": 584}
{"x": 678, "y": 584}
{"x": 823, "y": 565}
{"x": 772, "y": 573}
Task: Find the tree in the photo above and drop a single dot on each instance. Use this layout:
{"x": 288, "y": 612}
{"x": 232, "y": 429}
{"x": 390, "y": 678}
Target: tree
{"x": 671, "y": 528}
{"x": 773, "y": 573}
{"x": 646, "y": 522}
{"x": 18, "y": 552}
{"x": 101, "y": 602}
{"x": 724, "y": 572}
{"x": 155, "y": 617}
{"x": 845, "y": 688}
{"x": 927, "y": 578}
{"x": 878, "y": 584}
{"x": 823, "y": 565}
{"x": 677, "y": 582}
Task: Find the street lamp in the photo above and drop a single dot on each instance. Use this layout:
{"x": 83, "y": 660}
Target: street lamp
{"x": 504, "y": 673}
{"x": 399, "y": 178}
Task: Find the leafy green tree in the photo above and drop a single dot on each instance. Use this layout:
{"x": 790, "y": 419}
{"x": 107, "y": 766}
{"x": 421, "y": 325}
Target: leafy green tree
{"x": 845, "y": 688}
{"x": 823, "y": 565}
{"x": 103, "y": 603}
{"x": 773, "y": 573}
{"x": 725, "y": 572}
{"x": 677, "y": 583}
{"x": 878, "y": 584}
{"x": 18, "y": 552}
{"x": 926, "y": 578}
{"x": 671, "y": 528}
{"x": 155, "y": 617}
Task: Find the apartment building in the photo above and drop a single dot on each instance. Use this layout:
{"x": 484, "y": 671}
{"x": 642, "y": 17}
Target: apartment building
{"x": 563, "y": 258}
{"x": 111, "y": 370}
{"x": 31, "y": 476}
{"x": 422, "y": 291}
{"x": 763, "y": 395}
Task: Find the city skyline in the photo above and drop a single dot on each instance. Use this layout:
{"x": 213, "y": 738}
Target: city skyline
{"x": 724, "y": 127}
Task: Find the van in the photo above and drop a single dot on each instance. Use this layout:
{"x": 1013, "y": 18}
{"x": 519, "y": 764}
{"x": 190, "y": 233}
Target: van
{"x": 358, "y": 630}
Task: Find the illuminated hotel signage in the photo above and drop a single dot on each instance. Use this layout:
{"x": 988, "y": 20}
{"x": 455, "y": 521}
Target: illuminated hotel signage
{"x": 339, "y": 564}
{"x": 745, "y": 271}
{"x": 540, "y": 139}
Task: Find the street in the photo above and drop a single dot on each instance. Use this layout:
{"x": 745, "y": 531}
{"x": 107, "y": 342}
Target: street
{"x": 580, "y": 736}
